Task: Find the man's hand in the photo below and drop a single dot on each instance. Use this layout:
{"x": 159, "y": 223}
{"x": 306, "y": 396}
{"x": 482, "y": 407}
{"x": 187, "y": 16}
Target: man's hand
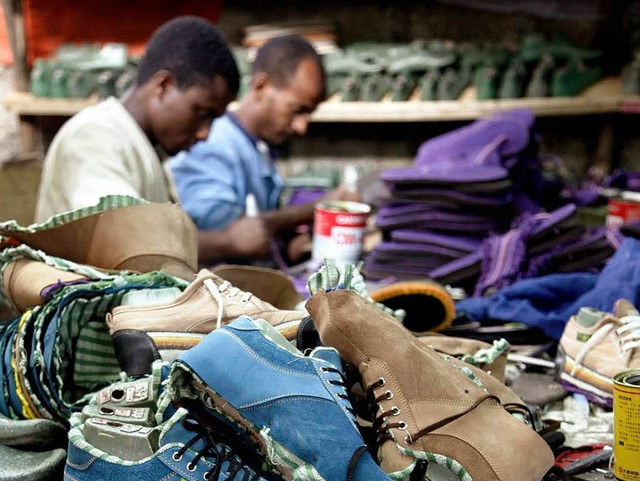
{"x": 245, "y": 237}
{"x": 249, "y": 237}
{"x": 341, "y": 193}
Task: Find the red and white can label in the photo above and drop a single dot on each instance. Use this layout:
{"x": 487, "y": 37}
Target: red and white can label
{"x": 620, "y": 211}
{"x": 338, "y": 228}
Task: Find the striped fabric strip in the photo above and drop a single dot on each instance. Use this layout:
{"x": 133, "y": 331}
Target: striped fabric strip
{"x": 83, "y": 355}
{"x": 451, "y": 464}
{"x": 278, "y": 455}
{"x": 107, "y": 203}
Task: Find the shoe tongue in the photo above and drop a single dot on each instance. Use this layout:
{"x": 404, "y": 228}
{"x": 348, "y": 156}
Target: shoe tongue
{"x": 624, "y": 308}
{"x": 174, "y": 430}
{"x": 588, "y": 317}
{"x": 328, "y": 354}
{"x": 272, "y": 334}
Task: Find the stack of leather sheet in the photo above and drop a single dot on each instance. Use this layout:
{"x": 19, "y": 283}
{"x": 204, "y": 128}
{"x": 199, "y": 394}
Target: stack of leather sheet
{"x": 463, "y": 186}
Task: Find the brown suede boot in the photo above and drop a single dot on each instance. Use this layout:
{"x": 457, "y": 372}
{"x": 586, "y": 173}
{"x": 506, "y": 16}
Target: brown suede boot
{"x": 24, "y": 279}
{"x": 270, "y": 285}
{"x": 140, "y": 238}
{"x": 428, "y": 409}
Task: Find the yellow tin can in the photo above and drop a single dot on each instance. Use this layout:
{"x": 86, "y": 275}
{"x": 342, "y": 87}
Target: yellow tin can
{"x": 626, "y": 425}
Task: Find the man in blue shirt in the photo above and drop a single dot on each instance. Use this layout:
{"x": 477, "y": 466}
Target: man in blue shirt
{"x": 215, "y": 177}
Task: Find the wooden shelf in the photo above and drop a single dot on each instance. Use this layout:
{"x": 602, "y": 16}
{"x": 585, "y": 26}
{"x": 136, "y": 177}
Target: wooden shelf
{"x": 603, "y": 97}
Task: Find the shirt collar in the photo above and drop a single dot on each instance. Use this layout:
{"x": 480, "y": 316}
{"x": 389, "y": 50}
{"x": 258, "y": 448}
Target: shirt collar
{"x": 273, "y": 151}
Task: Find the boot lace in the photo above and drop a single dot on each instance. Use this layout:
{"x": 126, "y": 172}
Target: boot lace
{"x": 627, "y": 330}
{"x": 216, "y": 453}
{"x": 231, "y": 292}
{"x": 383, "y": 426}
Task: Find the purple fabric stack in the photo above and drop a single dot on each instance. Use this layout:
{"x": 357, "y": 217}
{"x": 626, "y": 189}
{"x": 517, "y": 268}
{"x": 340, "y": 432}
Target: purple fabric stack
{"x": 536, "y": 245}
{"x": 464, "y": 186}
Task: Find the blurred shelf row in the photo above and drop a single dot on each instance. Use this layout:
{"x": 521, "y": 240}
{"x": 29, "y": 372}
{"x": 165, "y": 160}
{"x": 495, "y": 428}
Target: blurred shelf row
{"x": 603, "y": 97}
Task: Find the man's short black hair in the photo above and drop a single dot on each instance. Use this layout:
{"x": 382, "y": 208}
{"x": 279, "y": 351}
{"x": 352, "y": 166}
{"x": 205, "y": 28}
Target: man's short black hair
{"x": 280, "y": 57}
{"x": 193, "y": 50}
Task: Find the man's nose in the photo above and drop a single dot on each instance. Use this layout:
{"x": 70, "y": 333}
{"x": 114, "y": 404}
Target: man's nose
{"x": 300, "y": 124}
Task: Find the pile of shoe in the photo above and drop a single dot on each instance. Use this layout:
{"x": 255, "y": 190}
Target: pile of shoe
{"x": 244, "y": 403}
{"x": 83, "y": 71}
{"x": 595, "y": 346}
{"x": 539, "y": 68}
{"x": 60, "y": 348}
{"x": 442, "y": 69}
{"x": 461, "y": 188}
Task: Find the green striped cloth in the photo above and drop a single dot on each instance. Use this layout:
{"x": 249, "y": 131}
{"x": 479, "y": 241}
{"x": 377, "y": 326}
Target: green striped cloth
{"x": 109, "y": 202}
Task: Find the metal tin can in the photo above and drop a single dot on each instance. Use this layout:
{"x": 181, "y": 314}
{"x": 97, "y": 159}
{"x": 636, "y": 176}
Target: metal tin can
{"x": 623, "y": 208}
{"x": 338, "y": 228}
{"x": 626, "y": 425}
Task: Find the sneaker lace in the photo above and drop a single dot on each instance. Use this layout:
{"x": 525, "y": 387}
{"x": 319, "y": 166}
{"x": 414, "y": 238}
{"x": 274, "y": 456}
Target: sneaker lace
{"x": 383, "y": 427}
{"x": 341, "y": 383}
{"x": 627, "y": 330}
{"x": 216, "y": 453}
{"x": 230, "y": 290}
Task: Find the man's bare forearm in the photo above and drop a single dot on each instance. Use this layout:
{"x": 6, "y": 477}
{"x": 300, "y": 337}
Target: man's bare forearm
{"x": 288, "y": 218}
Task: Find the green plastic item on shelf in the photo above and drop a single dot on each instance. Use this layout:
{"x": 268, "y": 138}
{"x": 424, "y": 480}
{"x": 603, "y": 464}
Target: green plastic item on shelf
{"x": 485, "y": 80}
{"x": 40, "y": 78}
{"x": 374, "y": 87}
{"x": 125, "y": 80}
{"x": 81, "y": 84}
{"x": 59, "y": 82}
{"x": 421, "y": 62}
{"x": 429, "y": 84}
{"x": 540, "y": 78}
{"x": 452, "y": 83}
{"x": 534, "y": 46}
{"x": 572, "y": 79}
{"x": 512, "y": 82}
{"x": 106, "y": 83}
{"x": 350, "y": 89}
{"x": 402, "y": 87}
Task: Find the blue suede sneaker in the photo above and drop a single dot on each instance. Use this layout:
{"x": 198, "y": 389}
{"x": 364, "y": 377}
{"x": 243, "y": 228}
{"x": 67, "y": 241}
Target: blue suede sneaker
{"x": 183, "y": 449}
{"x": 295, "y": 409}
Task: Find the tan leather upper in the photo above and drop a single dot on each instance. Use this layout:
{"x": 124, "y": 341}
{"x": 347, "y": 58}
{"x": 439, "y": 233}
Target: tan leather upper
{"x": 196, "y": 310}
{"x": 271, "y": 286}
{"x": 487, "y": 440}
{"x": 24, "y": 279}
{"x": 140, "y": 238}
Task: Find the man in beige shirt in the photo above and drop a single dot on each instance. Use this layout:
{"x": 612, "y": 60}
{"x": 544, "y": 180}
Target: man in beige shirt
{"x": 185, "y": 80}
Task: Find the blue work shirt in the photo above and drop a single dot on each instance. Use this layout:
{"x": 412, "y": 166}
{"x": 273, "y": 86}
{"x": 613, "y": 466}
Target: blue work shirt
{"x": 215, "y": 176}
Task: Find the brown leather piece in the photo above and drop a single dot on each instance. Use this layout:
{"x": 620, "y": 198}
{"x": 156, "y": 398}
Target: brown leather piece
{"x": 476, "y": 430}
{"x": 140, "y": 238}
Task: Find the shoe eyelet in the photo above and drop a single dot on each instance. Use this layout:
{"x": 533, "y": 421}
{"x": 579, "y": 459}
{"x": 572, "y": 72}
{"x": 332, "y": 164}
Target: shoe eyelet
{"x": 408, "y": 440}
{"x": 323, "y": 369}
{"x": 395, "y": 410}
{"x": 388, "y": 394}
{"x": 402, "y": 425}
{"x": 206, "y": 476}
{"x": 381, "y": 382}
{"x": 176, "y": 457}
{"x": 191, "y": 467}
{"x": 209, "y": 402}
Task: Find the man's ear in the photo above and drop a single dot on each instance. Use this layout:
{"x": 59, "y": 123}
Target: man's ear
{"x": 161, "y": 82}
{"x": 259, "y": 82}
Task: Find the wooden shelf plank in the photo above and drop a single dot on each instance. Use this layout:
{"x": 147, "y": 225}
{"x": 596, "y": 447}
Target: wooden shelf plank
{"x": 603, "y": 97}
{"x": 23, "y": 103}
